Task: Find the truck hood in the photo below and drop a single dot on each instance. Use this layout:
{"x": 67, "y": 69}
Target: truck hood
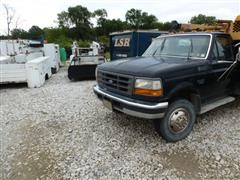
{"x": 150, "y": 66}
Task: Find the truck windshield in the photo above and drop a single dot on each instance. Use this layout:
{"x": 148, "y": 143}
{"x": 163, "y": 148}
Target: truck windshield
{"x": 186, "y": 46}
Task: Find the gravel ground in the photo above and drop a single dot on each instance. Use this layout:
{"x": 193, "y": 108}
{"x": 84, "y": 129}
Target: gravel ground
{"x": 61, "y": 131}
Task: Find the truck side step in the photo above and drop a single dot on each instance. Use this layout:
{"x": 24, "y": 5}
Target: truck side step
{"x": 214, "y": 104}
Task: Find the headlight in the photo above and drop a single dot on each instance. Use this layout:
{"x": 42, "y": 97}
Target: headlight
{"x": 148, "y": 87}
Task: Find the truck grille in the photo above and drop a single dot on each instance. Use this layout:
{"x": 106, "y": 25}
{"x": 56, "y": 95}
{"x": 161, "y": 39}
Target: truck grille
{"x": 115, "y": 82}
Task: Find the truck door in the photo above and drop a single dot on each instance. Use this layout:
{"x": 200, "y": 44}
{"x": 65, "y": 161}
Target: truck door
{"x": 222, "y": 60}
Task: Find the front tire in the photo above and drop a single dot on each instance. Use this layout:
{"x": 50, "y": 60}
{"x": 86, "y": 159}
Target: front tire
{"x": 178, "y": 121}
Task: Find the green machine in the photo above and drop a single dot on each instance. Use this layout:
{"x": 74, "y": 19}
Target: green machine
{"x": 63, "y": 55}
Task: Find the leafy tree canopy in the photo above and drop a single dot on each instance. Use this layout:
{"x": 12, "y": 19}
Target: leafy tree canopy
{"x": 79, "y": 15}
{"x": 203, "y": 19}
{"x": 19, "y": 33}
{"x": 140, "y": 20}
{"x": 35, "y": 32}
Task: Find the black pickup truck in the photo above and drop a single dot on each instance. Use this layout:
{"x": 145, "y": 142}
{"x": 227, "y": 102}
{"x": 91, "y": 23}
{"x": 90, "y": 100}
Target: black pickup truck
{"x": 178, "y": 77}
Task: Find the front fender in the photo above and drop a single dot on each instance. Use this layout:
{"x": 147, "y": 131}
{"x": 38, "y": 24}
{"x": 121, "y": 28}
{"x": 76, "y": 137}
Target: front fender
{"x": 186, "y": 90}
{"x": 183, "y": 86}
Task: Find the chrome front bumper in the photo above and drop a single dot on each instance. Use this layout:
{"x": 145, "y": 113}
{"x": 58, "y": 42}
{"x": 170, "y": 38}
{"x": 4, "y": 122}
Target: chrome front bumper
{"x": 134, "y": 108}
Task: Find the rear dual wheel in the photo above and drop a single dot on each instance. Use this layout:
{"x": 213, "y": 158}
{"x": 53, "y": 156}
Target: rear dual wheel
{"x": 178, "y": 121}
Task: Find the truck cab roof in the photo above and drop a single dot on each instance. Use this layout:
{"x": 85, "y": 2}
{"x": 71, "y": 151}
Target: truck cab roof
{"x": 137, "y": 31}
{"x": 193, "y": 33}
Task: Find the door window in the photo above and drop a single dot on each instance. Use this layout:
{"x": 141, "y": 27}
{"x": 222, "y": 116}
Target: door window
{"x": 224, "y": 48}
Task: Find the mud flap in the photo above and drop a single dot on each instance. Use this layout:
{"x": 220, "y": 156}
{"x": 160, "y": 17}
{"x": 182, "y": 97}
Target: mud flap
{"x": 81, "y": 72}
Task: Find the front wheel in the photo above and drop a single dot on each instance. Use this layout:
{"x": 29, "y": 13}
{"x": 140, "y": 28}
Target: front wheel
{"x": 178, "y": 121}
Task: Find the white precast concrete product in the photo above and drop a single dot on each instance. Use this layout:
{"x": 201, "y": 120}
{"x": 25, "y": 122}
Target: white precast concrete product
{"x": 3, "y": 48}
{"x": 34, "y": 55}
{"x": 52, "y": 50}
{"x": 47, "y": 67}
{"x": 10, "y": 73}
{"x": 5, "y": 59}
{"x": 14, "y": 47}
{"x": 9, "y": 47}
{"x": 20, "y": 58}
{"x": 35, "y": 71}
{"x": 23, "y": 58}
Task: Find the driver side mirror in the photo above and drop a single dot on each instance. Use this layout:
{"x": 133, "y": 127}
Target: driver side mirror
{"x": 238, "y": 55}
{"x": 237, "y": 48}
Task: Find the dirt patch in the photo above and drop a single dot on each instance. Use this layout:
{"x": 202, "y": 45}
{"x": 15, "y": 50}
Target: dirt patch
{"x": 185, "y": 163}
{"x": 33, "y": 160}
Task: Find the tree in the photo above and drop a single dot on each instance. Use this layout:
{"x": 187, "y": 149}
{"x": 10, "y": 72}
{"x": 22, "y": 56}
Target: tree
{"x": 134, "y": 17}
{"x": 100, "y": 15}
{"x": 10, "y": 12}
{"x": 74, "y": 17}
{"x": 35, "y": 32}
{"x": 75, "y": 22}
{"x": 83, "y": 32}
{"x": 203, "y": 19}
{"x": 58, "y": 36}
{"x": 79, "y": 15}
{"x": 111, "y": 25}
{"x": 52, "y": 34}
{"x": 141, "y": 20}
{"x": 103, "y": 40}
{"x": 149, "y": 21}
{"x": 17, "y": 22}
{"x": 19, "y": 33}
{"x": 64, "y": 20}
{"x": 166, "y": 26}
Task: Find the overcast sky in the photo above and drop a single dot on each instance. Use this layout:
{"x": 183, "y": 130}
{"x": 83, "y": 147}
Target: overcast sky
{"x": 44, "y": 12}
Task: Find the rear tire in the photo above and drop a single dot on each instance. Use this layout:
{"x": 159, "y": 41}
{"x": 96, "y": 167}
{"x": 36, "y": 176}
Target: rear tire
{"x": 46, "y": 77}
{"x": 70, "y": 77}
{"x": 54, "y": 70}
{"x": 178, "y": 121}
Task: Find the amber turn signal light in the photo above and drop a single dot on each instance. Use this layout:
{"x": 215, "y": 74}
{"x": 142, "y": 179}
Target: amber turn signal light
{"x": 148, "y": 92}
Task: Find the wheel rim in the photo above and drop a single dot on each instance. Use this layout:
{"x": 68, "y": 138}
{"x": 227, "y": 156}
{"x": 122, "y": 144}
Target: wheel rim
{"x": 179, "y": 120}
